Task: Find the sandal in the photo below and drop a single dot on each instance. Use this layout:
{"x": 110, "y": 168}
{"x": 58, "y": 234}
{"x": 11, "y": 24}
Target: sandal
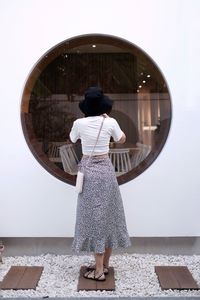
{"x": 91, "y": 275}
{"x": 93, "y": 267}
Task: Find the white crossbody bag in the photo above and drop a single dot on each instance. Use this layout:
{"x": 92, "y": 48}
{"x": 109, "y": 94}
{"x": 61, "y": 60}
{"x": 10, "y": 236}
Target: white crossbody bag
{"x": 80, "y": 174}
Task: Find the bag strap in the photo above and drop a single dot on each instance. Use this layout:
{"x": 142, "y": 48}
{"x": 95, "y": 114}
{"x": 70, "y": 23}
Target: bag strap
{"x": 97, "y": 138}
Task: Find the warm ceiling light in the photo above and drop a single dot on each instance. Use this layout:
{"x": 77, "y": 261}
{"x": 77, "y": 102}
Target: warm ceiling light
{"x": 144, "y": 81}
{"x": 93, "y": 46}
{"x": 140, "y": 86}
{"x": 148, "y": 75}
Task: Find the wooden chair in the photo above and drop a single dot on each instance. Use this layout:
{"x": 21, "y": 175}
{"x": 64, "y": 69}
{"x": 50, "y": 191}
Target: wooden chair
{"x": 53, "y": 151}
{"x": 120, "y": 159}
{"x": 69, "y": 159}
{"x": 141, "y": 154}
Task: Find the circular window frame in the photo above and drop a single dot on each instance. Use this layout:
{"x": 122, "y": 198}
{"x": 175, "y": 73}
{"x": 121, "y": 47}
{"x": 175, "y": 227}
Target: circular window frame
{"x": 41, "y": 64}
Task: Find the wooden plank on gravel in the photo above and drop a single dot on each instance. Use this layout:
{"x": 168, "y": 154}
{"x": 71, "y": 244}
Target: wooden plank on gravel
{"x": 30, "y": 278}
{"x": 175, "y": 277}
{"x": 21, "y": 277}
{"x": 93, "y": 285}
{"x": 12, "y": 278}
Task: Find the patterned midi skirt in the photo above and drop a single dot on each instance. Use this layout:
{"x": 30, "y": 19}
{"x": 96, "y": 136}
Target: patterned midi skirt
{"x": 100, "y": 218}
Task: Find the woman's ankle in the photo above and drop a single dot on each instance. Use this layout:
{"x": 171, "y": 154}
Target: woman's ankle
{"x": 106, "y": 265}
{"x": 99, "y": 271}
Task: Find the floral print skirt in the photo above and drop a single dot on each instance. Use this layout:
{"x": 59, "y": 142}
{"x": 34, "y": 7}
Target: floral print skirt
{"x": 100, "y": 218}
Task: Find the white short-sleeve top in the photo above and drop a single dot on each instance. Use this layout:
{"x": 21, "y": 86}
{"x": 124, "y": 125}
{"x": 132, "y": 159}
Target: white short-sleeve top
{"x": 87, "y": 130}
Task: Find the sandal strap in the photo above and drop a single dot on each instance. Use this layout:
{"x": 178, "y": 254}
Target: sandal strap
{"x": 88, "y": 273}
{"x": 92, "y": 267}
{"x": 99, "y": 276}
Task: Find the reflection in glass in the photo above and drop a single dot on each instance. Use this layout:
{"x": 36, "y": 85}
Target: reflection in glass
{"x": 126, "y": 74}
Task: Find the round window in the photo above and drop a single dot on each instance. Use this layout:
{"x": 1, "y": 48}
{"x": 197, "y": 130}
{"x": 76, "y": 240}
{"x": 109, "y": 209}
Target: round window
{"x": 141, "y": 103}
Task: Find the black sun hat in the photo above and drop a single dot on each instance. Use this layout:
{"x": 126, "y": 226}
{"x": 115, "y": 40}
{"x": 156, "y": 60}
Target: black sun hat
{"x": 95, "y": 102}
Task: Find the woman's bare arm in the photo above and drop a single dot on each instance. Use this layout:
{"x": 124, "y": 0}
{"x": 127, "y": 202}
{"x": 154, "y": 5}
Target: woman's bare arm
{"x": 123, "y": 139}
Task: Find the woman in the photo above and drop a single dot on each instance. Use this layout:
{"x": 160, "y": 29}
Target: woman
{"x": 100, "y": 220}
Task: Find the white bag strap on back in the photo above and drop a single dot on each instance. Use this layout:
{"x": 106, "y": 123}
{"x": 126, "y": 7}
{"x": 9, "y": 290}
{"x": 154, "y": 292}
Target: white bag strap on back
{"x": 97, "y": 138}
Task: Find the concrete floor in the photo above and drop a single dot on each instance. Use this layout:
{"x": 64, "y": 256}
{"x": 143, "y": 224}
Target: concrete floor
{"x": 154, "y": 245}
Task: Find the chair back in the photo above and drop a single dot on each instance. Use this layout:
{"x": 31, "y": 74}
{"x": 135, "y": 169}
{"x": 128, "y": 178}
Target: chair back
{"x": 69, "y": 159}
{"x": 120, "y": 159}
{"x": 142, "y": 153}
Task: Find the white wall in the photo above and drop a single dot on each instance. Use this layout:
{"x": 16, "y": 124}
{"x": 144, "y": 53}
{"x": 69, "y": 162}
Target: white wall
{"x": 164, "y": 200}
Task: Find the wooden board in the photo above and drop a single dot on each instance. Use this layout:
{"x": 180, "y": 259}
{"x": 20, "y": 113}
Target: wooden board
{"x": 91, "y": 285}
{"x": 21, "y": 278}
{"x": 175, "y": 277}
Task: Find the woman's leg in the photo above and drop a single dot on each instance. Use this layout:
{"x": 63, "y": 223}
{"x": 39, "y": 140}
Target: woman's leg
{"x": 101, "y": 261}
{"x": 98, "y": 271}
{"x": 99, "y": 258}
{"x": 106, "y": 258}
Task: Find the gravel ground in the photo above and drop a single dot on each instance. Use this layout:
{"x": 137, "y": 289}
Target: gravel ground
{"x": 134, "y": 275}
